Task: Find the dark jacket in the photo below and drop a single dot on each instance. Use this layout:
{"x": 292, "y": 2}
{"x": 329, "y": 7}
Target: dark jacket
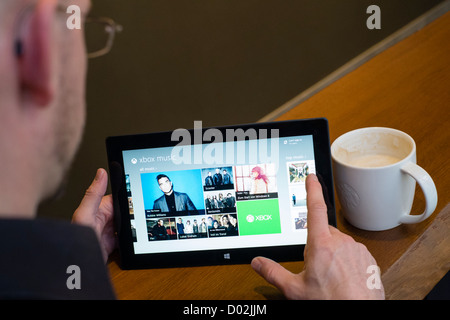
{"x": 36, "y": 258}
{"x": 182, "y": 203}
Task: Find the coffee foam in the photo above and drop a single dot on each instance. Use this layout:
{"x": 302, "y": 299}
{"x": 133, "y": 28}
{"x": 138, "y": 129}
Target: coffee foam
{"x": 373, "y": 160}
{"x": 375, "y": 149}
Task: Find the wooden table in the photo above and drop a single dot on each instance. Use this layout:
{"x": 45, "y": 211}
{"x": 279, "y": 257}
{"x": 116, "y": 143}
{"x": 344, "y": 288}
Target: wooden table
{"x": 406, "y": 87}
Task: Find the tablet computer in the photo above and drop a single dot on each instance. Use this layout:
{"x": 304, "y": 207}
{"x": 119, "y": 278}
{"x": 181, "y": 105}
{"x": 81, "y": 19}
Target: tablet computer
{"x": 223, "y": 195}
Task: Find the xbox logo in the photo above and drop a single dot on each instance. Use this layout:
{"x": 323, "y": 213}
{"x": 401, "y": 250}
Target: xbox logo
{"x": 134, "y": 161}
{"x": 250, "y": 218}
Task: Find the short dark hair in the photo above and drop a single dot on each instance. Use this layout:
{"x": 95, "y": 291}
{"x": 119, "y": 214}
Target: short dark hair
{"x": 159, "y": 176}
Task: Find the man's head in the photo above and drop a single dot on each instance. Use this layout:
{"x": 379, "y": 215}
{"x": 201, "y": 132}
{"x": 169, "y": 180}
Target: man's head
{"x": 42, "y": 98}
{"x": 164, "y": 184}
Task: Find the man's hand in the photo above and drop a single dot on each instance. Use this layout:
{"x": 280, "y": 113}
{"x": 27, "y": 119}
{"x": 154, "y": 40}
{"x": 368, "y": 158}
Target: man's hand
{"x": 335, "y": 265}
{"x": 96, "y": 211}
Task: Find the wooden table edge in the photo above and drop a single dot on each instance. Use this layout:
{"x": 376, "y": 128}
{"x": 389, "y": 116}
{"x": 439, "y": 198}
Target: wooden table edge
{"x": 404, "y": 279}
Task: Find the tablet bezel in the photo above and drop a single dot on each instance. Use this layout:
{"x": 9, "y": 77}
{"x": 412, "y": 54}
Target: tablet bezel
{"x": 318, "y": 128}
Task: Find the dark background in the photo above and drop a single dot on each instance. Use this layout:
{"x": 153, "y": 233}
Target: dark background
{"x": 219, "y": 61}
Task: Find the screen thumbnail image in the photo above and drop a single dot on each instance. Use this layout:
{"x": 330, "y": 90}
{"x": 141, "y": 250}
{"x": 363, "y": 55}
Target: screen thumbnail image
{"x": 133, "y": 230}
{"x": 191, "y": 227}
{"x": 222, "y": 225}
{"x": 129, "y": 195}
{"x": 297, "y": 195}
{"x": 299, "y": 170}
{"x": 300, "y": 220}
{"x": 173, "y": 193}
{"x": 217, "y": 178}
{"x": 161, "y": 229}
{"x": 256, "y": 179}
{"x": 220, "y": 201}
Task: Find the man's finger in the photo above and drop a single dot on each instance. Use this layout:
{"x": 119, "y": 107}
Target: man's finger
{"x": 93, "y": 197}
{"x": 317, "y": 209}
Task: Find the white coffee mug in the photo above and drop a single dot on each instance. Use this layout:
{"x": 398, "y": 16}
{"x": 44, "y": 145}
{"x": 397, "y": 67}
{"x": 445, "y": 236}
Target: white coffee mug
{"x": 375, "y": 172}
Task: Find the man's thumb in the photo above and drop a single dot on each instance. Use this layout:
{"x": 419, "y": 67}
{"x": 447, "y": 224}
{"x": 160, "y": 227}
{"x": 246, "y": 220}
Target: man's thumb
{"x": 91, "y": 201}
{"x": 273, "y": 272}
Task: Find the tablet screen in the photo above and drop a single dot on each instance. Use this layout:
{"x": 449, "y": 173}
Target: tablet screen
{"x": 217, "y": 195}
{"x": 223, "y": 202}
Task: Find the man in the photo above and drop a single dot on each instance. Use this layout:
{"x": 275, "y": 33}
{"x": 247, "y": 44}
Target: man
{"x": 202, "y": 227}
{"x": 208, "y": 201}
{"x": 195, "y": 226}
{"x": 217, "y": 178}
{"x": 230, "y": 200}
{"x": 42, "y": 115}
{"x": 171, "y": 201}
{"x": 180, "y": 226}
{"x": 43, "y": 68}
{"x": 159, "y": 231}
{"x": 209, "y": 182}
{"x": 226, "y": 177}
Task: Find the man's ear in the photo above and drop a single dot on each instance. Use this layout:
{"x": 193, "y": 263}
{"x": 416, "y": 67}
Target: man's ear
{"x": 34, "y": 54}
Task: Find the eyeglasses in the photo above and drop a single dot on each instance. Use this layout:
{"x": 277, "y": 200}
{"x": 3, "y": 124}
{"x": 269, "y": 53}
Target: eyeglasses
{"x": 99, "y": 34}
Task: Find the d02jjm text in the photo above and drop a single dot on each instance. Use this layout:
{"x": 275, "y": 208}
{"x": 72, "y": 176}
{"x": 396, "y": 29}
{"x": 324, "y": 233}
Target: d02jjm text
{"x": 246, "y": 309}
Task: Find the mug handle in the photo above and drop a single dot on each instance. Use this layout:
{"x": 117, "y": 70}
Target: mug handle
{"x": 429, "y": 190}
